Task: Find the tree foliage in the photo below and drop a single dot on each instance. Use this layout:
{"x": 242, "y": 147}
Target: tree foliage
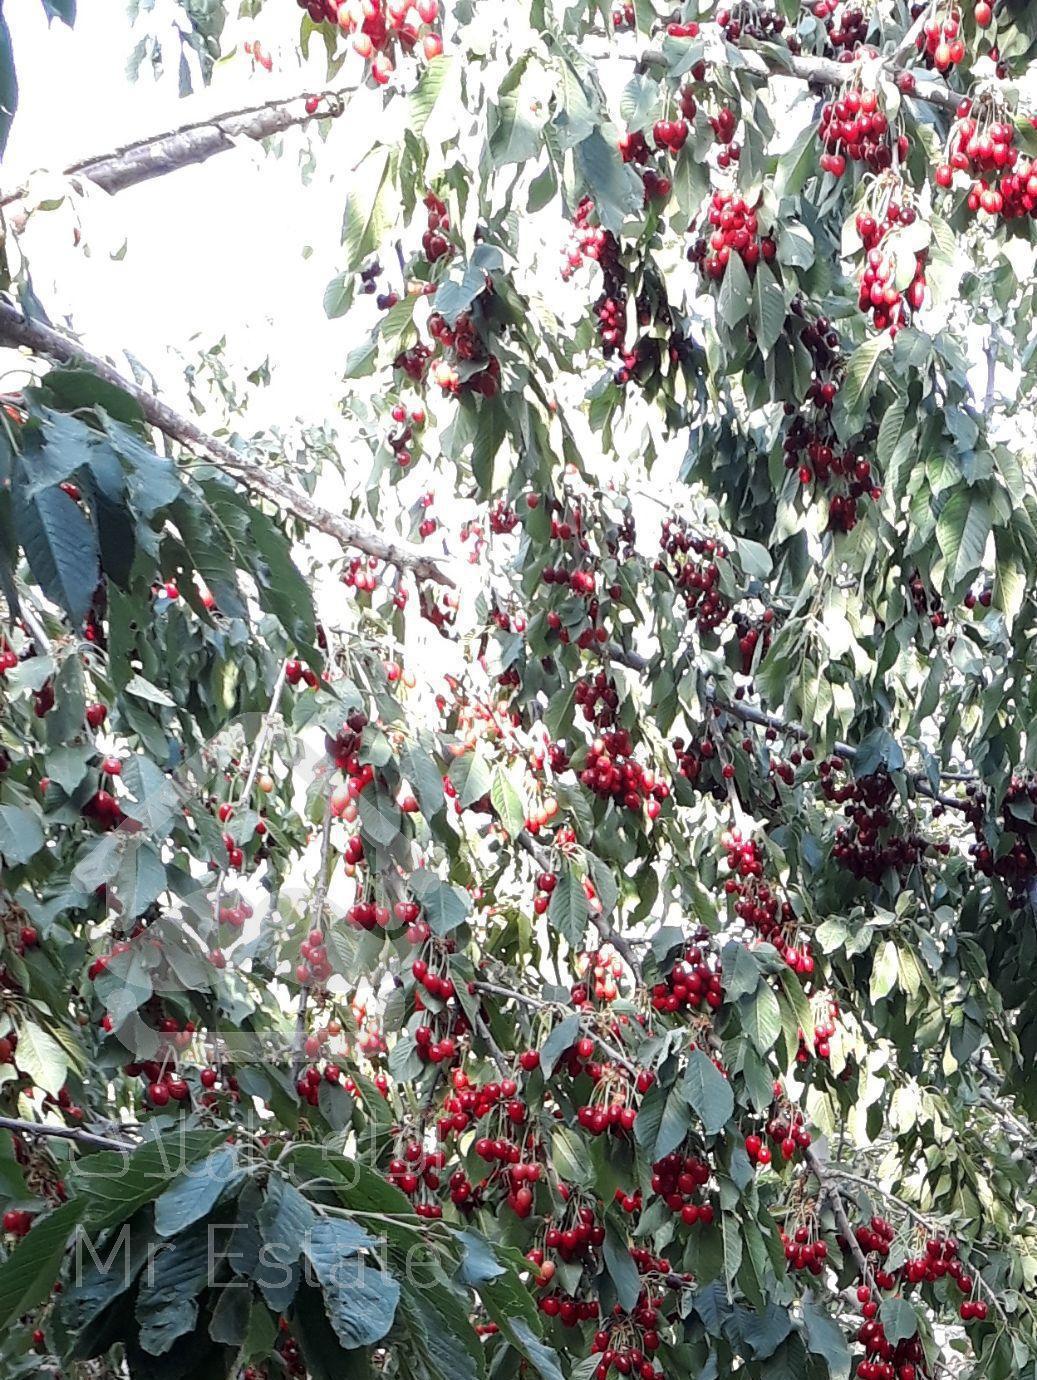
{"x": 659, "y": 998}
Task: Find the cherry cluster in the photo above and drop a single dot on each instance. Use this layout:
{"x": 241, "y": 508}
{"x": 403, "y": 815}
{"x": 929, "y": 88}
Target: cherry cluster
{"x": 467, "y": 1104}
{"x": 601, "y": 973}
{"x": 677, "y": 1179}
{"x": 414, "y": 1169}
{"x": 434, "y": 242}
{"x": 866, "y": 847}
{"x": 615, "y": 1117}
{"x": 940, "y": 42}
{"x": 750, "y": 635}
{"x": 692, "y": 566}
{"x": 633, "y": 148}
{"x": 611, "y": 773}
{"x": 462, "y": 348}
{"x": 927, "y": 603}
{"x": 694, "y": 982}
{"x": 822, "y": 1033}
{"x": 296, "y": 673}
{"x": 1017, "y": 867}
{"x": 812, "y": 448}
{"x": 886, "y": 1360}
{"x": 624, "y": 17}
{"x": 878, "y": 293}
{"x": 756, "y": 903}
{"x": 786, "y": 1130}
{"x": 804, "y": 1250}
{"x": 846, "y": 26}
{"x": 855, "y": 127}
{"x": 587, "y": 240}
{"x": 733, "y": 228}
{"x": 310, "y": 1080}
{"x": 382, "y": 28}
{"x": 751, "y": 20}
{"x": 694, "y": 759}
{"x": 598, "y": 699}
{"x": 314, "y": 966}
{"x": 627, "y": 1342}
{"x": 17, "y": 1222}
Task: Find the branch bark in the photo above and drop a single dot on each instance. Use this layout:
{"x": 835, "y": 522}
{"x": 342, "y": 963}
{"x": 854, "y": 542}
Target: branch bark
{"x": 79, "y": 1137}
{"x": 195, "y": 143}
{"x": 16, "y": 329}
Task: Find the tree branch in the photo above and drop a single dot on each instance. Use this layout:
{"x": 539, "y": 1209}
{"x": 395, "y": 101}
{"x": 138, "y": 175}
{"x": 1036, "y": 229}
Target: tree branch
{"x": 816, "y": 71}
{"x": 195, "y": 142}
{"x": 73, "y": 1133}
{"x": 16, "y": 329}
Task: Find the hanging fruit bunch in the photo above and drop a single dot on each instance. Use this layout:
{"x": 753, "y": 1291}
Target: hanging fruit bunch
{"x": 940, "y": 41}
{"x": 854, "y": 128}
{"x": 896, "y": 242}
{"x": 982, "y": 143}
{"x": 383, "y": 30}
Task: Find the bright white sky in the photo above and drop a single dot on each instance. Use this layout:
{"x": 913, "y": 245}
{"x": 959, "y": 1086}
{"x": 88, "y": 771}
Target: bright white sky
{"x": 211, "y": 249}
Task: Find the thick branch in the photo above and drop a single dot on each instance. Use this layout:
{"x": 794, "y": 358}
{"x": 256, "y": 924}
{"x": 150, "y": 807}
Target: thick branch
{"x": 16, "y": 329}
{"x": 817, "y": 71}
{"x": 72, "y": 1133}
{"x": 195, "y": 143}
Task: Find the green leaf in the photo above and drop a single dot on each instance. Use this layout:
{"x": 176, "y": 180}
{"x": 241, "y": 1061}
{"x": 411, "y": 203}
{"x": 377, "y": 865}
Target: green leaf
{"x": 360, "y": 1299}
{"x": 195, "y": 1193}
{"x": 28, "y": 1273}
{"x": 365, "y": 221}
{"x": 768, "y": 308}
{"x": 884, "y": 971}
{"x": 422, "y": 100}
{"x": 962, "y": 530}
{"x": 21, "y": 837}
{"x": 561, "y": 1038}
{"x": 445, "y": 906}
{"x": 471, "y": 776}
{"x": 41, "y": 1057}
{"x": 617, "y": 190}
{"x": 508, "y": 803}
{"x": 568, "y": 910}
{"x": 761, "y": 1017}
{"x": 825, "y": 1338}
{"x": 60, "y": 546}
{"x": 167, "y": 1306}
{"x": 675, "y": 1122}
{"x": 622, "y": 1269}
{"x": 860, "y": 372}
{"x": 441, "y": 1332}
{"x": 708, "y": 1092}
{"x": 736, "y": 292}
{"x": 8, "y": 85}
{"x": 899, "y": 1320}
{"x": 114, "y": 1183}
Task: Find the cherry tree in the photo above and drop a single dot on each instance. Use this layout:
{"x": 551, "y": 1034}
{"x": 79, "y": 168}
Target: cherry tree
{"x": 596, "y": 939}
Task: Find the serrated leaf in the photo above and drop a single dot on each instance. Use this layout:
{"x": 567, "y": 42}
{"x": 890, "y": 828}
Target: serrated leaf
{"x": 193, "y": 1195}
{"x": 568, "y": 910}
{"x": 736, "y": 293}
{"x": 471, "y": 776}
{"x": 768, "y": 308}
{"x": 422, "y": 100}
{"x": 708, "y": 1092}
{"x": 962, "y": 530}
{"x": 21, "y": 836}
{"x": 761, "y": 1017}
{"x": 860, "y": 372}
{"x": 41, "y": 1057}
{"x": 825, "y": 1338}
